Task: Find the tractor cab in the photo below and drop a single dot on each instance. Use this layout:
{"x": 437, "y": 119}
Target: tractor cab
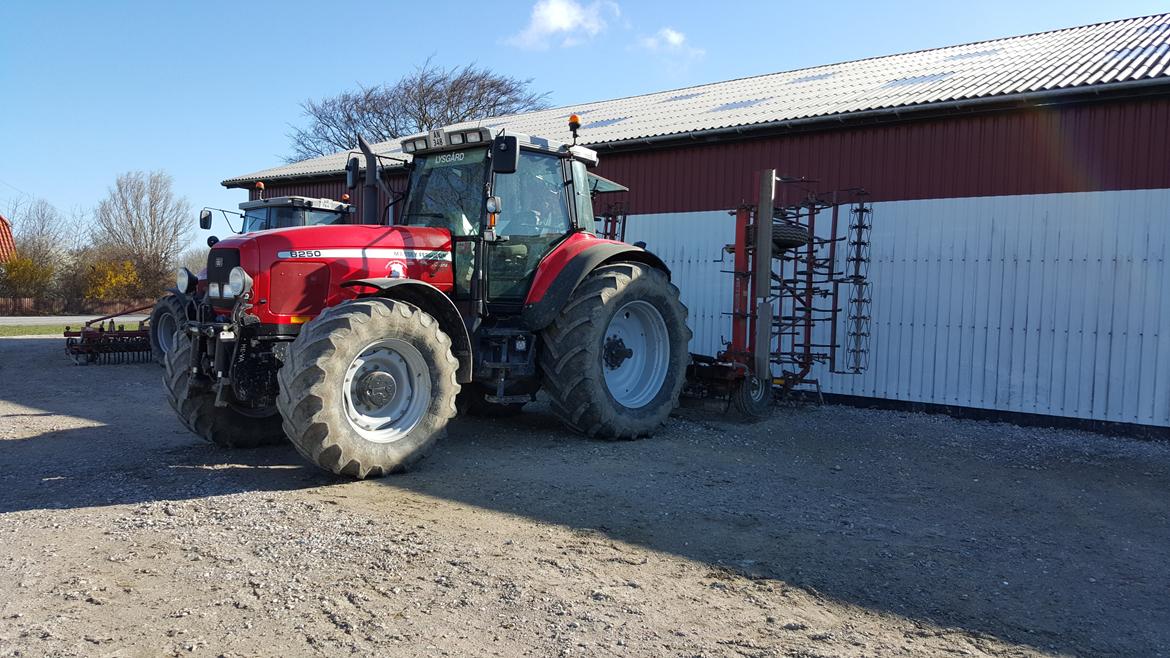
{"x": 282, "y": 212}
{"x": 288, "y": 211}
{"x": 513, "y": 196}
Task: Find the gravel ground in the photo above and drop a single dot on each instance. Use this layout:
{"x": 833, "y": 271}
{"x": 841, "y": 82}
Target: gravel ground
{"x": 825, "y": 531}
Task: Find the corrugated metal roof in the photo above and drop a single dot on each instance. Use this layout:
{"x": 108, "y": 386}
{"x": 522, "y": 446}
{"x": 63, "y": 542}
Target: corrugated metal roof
{"x": 7, "y": 244}
{"x": 1118, "y": 52}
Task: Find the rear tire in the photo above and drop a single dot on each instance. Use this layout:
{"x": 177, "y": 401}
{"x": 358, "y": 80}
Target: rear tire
{"x": 167, "y": 317}
{"x": 368, "y": 387}
{"x": 226, "y": 427}
{"x": 586, "y": 350}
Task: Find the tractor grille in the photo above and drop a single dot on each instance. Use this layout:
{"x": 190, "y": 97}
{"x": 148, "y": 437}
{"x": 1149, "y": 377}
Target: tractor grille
{"x": 220, "y": 263}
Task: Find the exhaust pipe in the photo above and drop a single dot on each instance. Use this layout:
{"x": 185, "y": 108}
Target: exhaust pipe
{"x": 371, "y": 213}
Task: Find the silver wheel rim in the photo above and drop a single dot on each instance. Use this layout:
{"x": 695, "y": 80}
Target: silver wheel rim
{"x": 166, "y": 332}
{"x": 756, "y": 389}
{"x": 635, "y": 354}
{"x": 387, "y": 389}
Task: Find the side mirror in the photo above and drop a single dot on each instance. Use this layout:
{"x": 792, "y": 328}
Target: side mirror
{"x": 212, "y": 240}
{"x": 205, "y": 219}
{"x": 505, "y": 154}
{"x": 351, "y": 172}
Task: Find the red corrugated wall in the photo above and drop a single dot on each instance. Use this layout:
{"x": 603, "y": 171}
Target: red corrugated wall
{"x": 1114, "y": 145}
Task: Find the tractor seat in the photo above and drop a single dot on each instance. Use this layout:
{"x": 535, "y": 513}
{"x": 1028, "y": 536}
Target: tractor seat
{"x": 510, "y": 251}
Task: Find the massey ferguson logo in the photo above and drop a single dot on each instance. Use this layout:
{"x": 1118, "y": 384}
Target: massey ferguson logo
{"x": 219, "y": 262}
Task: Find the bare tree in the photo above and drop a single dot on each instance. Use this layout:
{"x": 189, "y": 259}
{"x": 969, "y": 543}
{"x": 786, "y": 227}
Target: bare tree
{"x": 194, "y": 259}
{"x": 44, "y": 238}
{"x": 144, "y": 220}
{"x": 427, "y": 98}
{"x": 41, "y": 232}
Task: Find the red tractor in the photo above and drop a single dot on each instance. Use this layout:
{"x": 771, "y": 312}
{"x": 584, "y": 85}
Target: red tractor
{"x": 257, "y": 215}
{"x": 358, "y": 343}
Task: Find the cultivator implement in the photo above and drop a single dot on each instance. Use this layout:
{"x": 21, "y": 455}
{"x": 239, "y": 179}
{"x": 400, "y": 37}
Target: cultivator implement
{"x": 102, "y": 341}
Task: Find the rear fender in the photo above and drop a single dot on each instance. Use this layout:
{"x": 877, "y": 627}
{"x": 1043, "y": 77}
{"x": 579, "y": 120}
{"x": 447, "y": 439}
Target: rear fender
{"x": 562, "y": 278}
{"x": 432, "y": 300}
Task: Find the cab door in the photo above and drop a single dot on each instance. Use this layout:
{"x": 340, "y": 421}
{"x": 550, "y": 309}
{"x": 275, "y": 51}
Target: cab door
{"x": 535, "y": 215}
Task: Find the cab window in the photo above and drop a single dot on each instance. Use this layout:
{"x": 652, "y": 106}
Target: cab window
{"x": 284, "y": 217}
{"x": 533, "y": 198}
{"x": 583, "y": 197}
{"x": 447, "y": 192}
{"x": 323, "y": 217}
{"x": 535, "y": 214}
{"x": 255, "y": 219}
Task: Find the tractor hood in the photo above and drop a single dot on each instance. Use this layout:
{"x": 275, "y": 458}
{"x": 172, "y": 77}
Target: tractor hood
{"x": 296, "y": 272}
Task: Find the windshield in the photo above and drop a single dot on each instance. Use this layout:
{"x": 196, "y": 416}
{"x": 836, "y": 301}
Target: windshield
{"x": 320, "y": 217}
{"x": 447, "y": 191}
{"x": 262, "y": 219}
{"x": 255, "y": 219}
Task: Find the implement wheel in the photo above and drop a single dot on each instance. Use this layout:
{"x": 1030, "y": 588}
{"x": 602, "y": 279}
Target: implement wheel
{"x": 233, "y": 426}
{"x": 368, "y": 388}
{"x": 752, "y": 397}
{"x": 787, "y": 236}
{"x": 615, "y": 359}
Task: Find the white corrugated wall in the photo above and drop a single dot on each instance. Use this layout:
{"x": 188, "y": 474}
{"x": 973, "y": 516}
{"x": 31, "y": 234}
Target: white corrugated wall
{"x": 692, "y": 244}
{"x": 1050, "y": 304}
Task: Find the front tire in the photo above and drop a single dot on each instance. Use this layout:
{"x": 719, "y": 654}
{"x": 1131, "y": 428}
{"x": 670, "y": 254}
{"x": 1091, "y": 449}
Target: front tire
{"x": 368, "y": 387}
{"x": 226, "y": 427}
{"x": 167, "y": 317}
{"x": 615, "y": 359}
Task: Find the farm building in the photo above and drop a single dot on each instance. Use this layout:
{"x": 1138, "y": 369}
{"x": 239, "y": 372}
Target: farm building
{"x": 1020, "y": 190}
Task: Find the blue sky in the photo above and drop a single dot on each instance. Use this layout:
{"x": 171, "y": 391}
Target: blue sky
{"x": 207, "y": 90}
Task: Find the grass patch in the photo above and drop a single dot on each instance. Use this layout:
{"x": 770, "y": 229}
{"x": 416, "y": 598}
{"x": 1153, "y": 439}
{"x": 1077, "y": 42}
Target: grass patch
{"x": 35, "y": 329}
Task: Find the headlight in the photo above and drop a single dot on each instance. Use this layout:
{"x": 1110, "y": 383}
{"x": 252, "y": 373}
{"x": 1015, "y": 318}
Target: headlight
{"x": 213, "y": 290}
{"x": 185, "y": 281}
{"x": 238, "y": 282}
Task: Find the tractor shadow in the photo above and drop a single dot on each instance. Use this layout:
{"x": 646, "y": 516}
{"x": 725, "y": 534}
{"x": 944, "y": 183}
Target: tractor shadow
{"x": 83, "y": 436}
